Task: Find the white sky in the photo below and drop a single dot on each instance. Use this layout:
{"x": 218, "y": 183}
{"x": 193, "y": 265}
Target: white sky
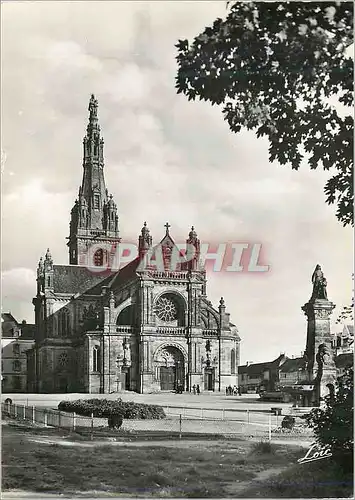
{"x": 166, "y": 159}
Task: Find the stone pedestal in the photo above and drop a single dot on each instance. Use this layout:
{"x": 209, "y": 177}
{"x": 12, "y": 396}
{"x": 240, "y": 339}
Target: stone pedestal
{"x": 319, "y": 357}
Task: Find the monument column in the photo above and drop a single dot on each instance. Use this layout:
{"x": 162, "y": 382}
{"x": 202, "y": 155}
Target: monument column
{"x": 319, "y": 355}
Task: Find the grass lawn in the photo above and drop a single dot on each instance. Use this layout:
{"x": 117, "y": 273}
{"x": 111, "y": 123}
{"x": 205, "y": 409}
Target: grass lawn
{"x": 204, "y": 468}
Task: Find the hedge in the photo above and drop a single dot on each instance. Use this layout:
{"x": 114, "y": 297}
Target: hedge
{"x": 106, "y": 408}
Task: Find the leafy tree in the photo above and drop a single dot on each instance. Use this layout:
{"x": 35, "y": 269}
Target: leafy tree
{"x": 334, "y": 424}
{"x": 282, "y": 69}
{"x": 347, "y": 313}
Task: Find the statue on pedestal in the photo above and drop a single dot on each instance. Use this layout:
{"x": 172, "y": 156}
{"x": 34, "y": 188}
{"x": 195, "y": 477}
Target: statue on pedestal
{"x": 319, "y": 284}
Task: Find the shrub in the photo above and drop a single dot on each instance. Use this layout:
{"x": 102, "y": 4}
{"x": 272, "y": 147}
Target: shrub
{"x": 262, "y": 448}
{"x": 115, "y": 421}
{"x": 105, "y": 409}
{"x": 333, "y": 424}
{"x": 288, "y": 422}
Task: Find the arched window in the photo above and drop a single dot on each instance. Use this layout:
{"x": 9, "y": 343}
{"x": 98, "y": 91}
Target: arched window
{"x": 125, "y": 316}
{"x": 96, "y": 359}
{"x": 63, "y": 323}
{"x": 233, "y": 361}
{"x": 96, "y": 201}
{"x": 100, "y": 257}
{"x": 17, "y": 365}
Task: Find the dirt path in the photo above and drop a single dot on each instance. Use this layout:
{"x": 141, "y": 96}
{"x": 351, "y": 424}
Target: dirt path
{"x": 237, "y": 487}
{"x": 172, "y": 443}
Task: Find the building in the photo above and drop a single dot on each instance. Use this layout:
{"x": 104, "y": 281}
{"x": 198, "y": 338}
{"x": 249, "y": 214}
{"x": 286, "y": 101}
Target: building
{"x": 16, "y": 340}
{"x": 143, "y": 327}
{"x": 255, "y": 377}
{"x": 344, "y": 341}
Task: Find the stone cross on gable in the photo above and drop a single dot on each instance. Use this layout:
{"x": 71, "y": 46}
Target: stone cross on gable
{"x": 167, "y": 225}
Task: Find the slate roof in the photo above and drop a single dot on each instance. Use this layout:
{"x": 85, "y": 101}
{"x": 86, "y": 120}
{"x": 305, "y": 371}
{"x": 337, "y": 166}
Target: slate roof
{"x": 76, "y": 279}
{"x": 350, "y": 329}
{"x": 117, "y": 278}
{"x": 292, "y": 365}
{"x": 260, "y": 368}
{"x": 8, "y": 317}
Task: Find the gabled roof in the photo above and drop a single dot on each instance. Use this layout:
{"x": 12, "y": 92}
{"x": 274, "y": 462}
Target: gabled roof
{"x": 5, "y": 317}
{"x": 350, "y": 329}
{"x": 76, "y": 279}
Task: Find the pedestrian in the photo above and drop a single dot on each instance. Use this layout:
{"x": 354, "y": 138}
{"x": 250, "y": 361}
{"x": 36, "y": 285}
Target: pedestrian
{"x": 226, "y": 391}
{"x": 239, "y": 391}
{"x": 198, "y": 389}
{"x": 194, "y": 388}
{"x": 230, "y": 390}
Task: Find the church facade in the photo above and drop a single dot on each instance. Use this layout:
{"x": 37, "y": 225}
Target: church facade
{"x": 144, "y": 327}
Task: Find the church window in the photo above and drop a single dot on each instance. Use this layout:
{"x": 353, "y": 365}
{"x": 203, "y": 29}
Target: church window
{"x": 96, "y": 201}
{"x": 63, "y": 359}
{"x": 16, "y": 365}
{"x": 100, "y": 257}
{"x": 96, "y": 359}
{"x": 16, "y": 349}
{"x": 166, "y": 309}
{"x": 63, "y": 322}
{"x": 49, "y": 281}
{"x": 16, "y": 382}
{"x": 232, "y": 361}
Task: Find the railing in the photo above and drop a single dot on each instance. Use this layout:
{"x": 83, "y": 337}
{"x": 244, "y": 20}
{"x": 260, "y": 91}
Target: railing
{"x": 172, "y": 330}
{"x": 210, "y": 332}
{"x": 124, "y": 329}
{"x": 179, "y": 420}
{"x": 168, "y": 274}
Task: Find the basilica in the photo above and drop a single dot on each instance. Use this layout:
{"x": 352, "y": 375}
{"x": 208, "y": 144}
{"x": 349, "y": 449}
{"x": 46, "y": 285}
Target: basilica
{"x": 144, "y": 328}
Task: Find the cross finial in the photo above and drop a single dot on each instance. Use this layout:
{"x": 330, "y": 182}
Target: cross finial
{"x": 167, "y": 225}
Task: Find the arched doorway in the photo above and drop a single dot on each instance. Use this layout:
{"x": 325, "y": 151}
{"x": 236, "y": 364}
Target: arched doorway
{"x": 170, "y": 368}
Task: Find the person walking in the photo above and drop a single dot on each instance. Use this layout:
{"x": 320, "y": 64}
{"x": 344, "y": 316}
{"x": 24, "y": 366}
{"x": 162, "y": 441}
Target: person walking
{"x": 198, "y": 389}
{"x": 194, "y": 388}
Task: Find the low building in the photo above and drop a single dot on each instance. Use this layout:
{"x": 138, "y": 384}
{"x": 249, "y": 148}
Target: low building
{"x": 16, "y": 340}
{"x": 291, "y": 372}
{"x": 344, "y": 341}
{"x": 254, "y": 377}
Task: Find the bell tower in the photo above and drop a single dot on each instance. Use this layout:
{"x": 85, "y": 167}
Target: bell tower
{"x": 94, "y": 234}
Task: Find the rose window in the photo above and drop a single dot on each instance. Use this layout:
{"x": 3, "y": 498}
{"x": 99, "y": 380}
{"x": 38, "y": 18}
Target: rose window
{"x": 166, "y": 309}
{"x": 63, "y": 359}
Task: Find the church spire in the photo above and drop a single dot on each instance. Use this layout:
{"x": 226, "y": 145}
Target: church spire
{"x": 94, "y": 212}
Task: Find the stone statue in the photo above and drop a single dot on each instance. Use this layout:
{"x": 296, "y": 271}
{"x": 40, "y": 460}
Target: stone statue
{"x": 322, "y": 358}
{"x": 319, "y": 284}
{"x": 126, "y": 353}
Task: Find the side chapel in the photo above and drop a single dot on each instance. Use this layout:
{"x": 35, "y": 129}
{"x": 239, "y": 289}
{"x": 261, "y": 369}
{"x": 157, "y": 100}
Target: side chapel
{"x": 101, "y": 330}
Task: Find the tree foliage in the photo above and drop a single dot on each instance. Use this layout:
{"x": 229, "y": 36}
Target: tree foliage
{"x": 282, "y": 69}
{"x": 347, "y": 313}
{"x": 334, "y": 424}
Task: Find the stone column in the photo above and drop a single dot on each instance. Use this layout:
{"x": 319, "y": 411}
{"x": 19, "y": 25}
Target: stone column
{"x": 319, "y": 354}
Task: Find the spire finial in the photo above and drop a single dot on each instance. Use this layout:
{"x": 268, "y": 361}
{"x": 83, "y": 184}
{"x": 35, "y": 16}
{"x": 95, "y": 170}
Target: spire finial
{"x": 192, "y": 233}
{"x": 93, "y": 105}
{"x": 167, "y": 225}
